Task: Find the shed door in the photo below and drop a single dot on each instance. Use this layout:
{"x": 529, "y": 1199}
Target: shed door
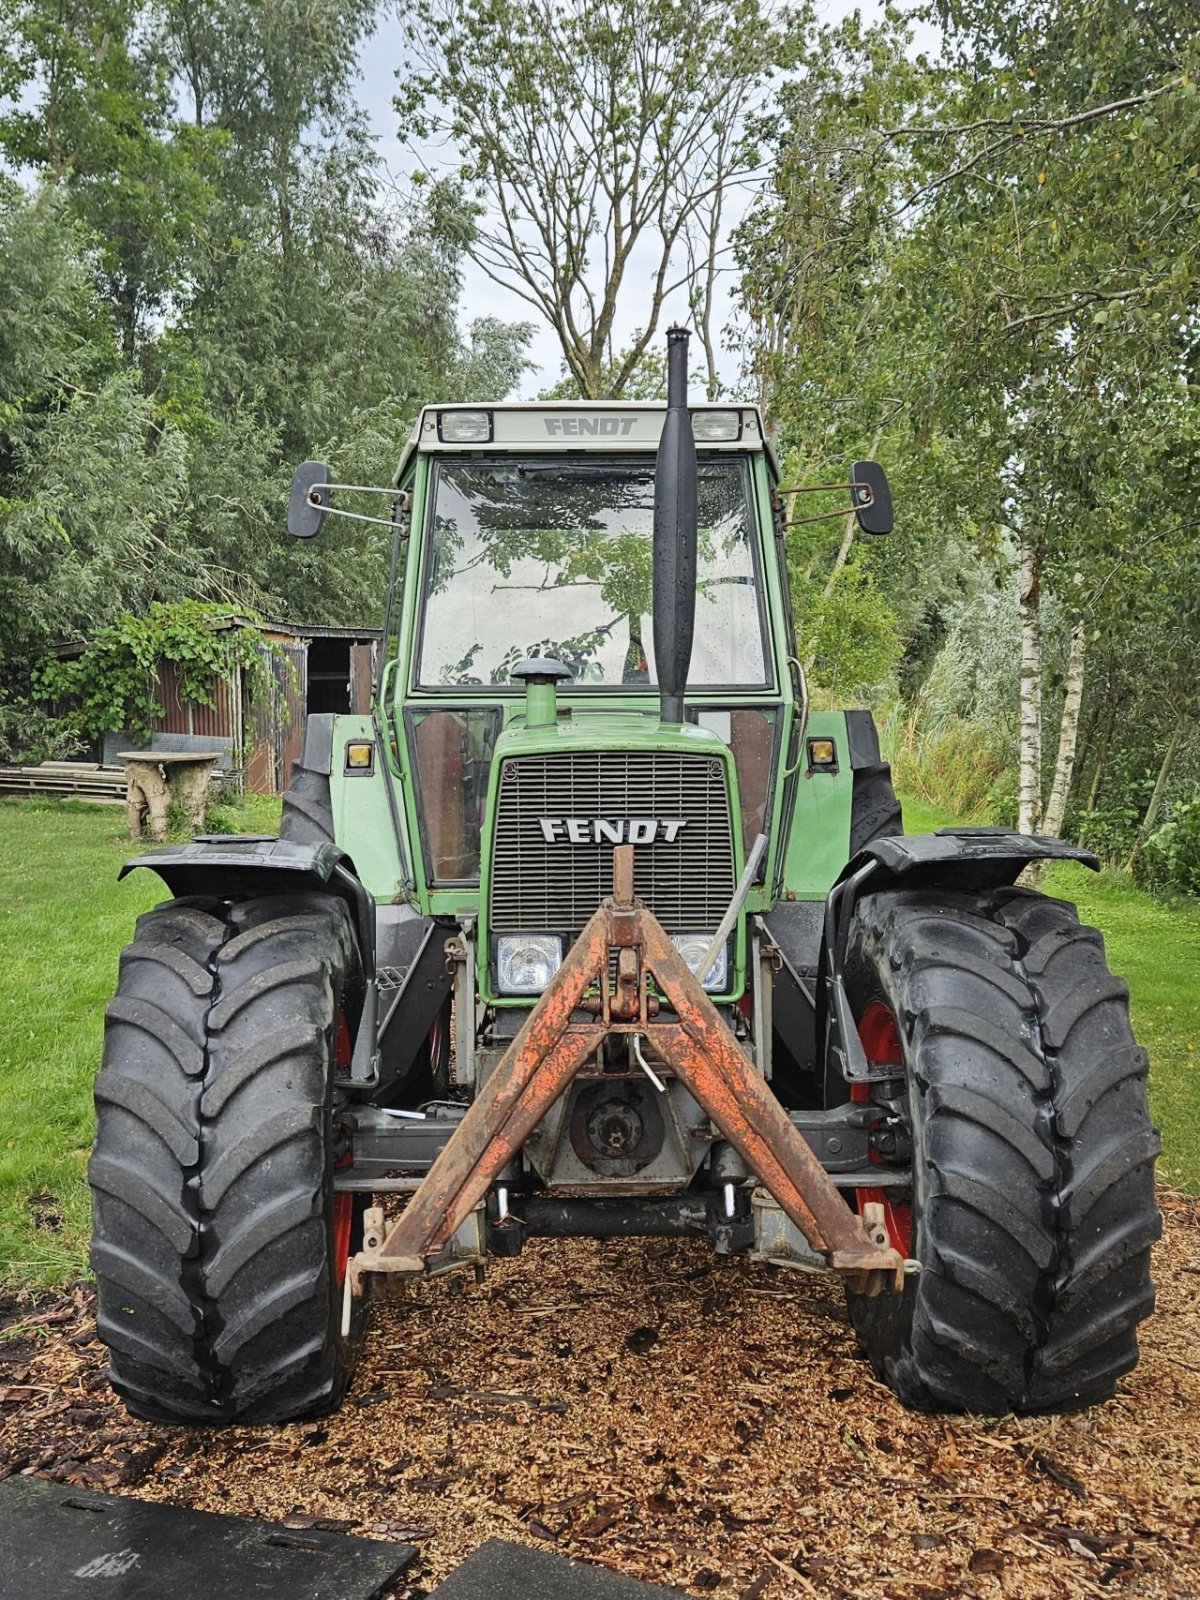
{"x": 362, "y": 676}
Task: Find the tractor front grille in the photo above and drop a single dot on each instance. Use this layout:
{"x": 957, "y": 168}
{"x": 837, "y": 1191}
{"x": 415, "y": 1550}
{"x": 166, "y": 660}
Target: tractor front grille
{"x": 539, "y": 884}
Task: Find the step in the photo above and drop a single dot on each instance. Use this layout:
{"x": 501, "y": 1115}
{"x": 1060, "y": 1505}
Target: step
{"x": 502, "y": 1571}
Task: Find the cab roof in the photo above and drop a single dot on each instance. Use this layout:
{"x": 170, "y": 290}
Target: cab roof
{"x": 562, "y": 426}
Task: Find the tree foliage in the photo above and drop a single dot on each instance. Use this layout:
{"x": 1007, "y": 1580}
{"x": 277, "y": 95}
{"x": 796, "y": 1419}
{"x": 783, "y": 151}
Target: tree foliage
{"x": 204, "y": 276}
{"x": 600, "y": 143}
{"x": 988, "y": 266}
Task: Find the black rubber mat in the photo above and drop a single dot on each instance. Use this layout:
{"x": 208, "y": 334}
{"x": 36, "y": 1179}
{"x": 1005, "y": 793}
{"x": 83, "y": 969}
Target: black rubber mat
{"x": 502, "y": 1571}
{"x": 56, "y": 1541}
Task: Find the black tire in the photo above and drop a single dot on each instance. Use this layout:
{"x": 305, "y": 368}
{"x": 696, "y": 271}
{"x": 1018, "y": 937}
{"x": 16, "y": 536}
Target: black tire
{"x": 211, "y": 1173}
{"x": 874, "y": 808}
{"x": 1032, "y": 1200}
{"x": 307, "y": 806}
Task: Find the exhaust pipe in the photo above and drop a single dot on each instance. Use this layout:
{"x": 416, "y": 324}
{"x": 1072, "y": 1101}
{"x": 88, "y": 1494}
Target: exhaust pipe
{"x": 675, "y": 495}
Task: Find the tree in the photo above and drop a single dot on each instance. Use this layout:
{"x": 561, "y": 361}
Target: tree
{"x": 203, "y": 278}
{"x": 1012, "y": 231}
{"x": 601, "y": 143}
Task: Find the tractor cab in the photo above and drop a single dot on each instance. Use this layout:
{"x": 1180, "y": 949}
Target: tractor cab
{"x": 528, "y": 696}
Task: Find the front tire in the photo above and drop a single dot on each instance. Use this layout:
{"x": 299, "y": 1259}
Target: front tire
{"x": 1032, "y": 1191}
{"x": 218, "y": 1245}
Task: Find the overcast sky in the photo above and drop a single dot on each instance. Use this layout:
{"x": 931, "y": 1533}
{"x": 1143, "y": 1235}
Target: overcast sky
{"x": 378, "y": 63}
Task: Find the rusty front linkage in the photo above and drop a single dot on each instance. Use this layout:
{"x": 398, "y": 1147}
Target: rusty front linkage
{"x": 587, "y": 999}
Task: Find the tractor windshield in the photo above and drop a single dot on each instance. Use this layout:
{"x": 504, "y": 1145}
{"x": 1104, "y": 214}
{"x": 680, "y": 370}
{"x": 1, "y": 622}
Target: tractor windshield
{"x": 530, "y": 558}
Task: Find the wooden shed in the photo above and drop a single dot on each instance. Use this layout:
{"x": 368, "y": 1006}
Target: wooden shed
{"x": 313, "y": 668}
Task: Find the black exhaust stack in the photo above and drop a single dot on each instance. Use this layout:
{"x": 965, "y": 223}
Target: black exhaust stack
{"x": 675, "y": 494}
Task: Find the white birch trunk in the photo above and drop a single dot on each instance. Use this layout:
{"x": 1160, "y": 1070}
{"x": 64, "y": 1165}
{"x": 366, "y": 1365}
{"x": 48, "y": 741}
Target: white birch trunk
{"x": 1030, "y": 797}
{"x": 1068, "y": 736}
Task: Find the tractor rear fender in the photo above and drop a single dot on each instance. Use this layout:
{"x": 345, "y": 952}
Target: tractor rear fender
{"x": 229, "y": 866}
{"x": 952, "y": 859}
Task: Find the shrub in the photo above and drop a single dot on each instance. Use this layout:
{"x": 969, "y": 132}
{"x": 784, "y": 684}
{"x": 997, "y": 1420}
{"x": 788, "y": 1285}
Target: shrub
{"x": 1109, "y": 830}
{"x": 1170, "y": 858}
{"x": 28, "y": 733}
{"x": 850, "y": 635}
{"x": 954, "y": 768}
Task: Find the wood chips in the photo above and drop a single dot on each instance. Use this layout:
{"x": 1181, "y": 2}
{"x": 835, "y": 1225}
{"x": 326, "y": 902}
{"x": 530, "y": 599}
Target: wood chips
{"x": 688, "y": 1420}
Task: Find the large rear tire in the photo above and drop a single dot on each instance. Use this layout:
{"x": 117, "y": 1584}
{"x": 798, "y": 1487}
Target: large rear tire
{"x": 875, "y": 811}
{"x": 218, "y": 1245}
{"x": 1031, "y": 1208}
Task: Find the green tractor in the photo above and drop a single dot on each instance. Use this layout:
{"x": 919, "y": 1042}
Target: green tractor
{"x": 594, "y": 928}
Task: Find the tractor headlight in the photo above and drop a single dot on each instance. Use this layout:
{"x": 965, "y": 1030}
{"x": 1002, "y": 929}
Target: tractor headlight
{"x": 525, "y": 962}
{"x": 691, "y": 947}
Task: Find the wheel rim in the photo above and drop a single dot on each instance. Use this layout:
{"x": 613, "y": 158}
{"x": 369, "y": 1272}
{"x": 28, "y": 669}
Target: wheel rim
{"x": 880, "y": 1037}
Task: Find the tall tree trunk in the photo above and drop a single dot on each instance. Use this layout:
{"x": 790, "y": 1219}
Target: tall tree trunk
{"x": 1160, "y": 789}
{"x": 1068, "y": 736}
{"x": 1029, "y": 809}
{"x": 1103, "y": 744}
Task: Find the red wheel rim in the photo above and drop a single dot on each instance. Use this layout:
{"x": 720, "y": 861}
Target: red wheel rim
{"x": 880, "y": 1038}
{"x": 343, "y": 1225}
{"x": 343, "y": 1204}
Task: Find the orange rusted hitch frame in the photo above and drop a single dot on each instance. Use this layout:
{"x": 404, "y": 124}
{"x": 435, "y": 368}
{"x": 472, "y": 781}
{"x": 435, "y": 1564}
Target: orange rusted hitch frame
{"x": 586, "y": 1000}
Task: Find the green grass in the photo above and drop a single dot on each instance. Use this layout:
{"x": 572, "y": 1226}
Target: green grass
{"x": 64, "y": 919}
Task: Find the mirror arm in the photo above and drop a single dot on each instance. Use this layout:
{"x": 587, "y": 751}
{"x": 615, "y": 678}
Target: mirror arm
{"x": 360, "y": 516}
{"x": 824, "y": 516}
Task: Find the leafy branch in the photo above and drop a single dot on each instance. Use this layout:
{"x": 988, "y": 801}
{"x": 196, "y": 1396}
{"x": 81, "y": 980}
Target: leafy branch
{"x": 114, "y": 683}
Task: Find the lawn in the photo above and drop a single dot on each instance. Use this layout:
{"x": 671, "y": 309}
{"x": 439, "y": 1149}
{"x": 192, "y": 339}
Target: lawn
{"x": 64, "y": 918}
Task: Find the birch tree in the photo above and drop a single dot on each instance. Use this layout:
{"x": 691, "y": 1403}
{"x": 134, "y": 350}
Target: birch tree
{"x": 1016, "y": 219}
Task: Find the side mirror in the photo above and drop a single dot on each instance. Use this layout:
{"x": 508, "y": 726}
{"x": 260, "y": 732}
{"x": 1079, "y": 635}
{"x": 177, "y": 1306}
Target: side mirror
{"x": 872, "y": 497}
{"x": 308, "y": 502}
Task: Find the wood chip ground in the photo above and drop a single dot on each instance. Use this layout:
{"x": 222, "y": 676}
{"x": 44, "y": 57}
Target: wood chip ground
{"x": 691, "y": 1421}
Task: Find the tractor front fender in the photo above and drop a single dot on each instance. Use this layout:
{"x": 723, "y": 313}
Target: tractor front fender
{"x": 953, "y": 859}
{"x": 232, "y": 865}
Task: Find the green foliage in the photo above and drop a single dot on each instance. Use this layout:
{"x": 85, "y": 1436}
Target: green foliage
{"x": 849, "y": 635}
{"x": 1108, "y": 829}
{"x": 1171, "y": 858}
{"x": 955, "y": 769}
{"x": 112, "y": 684}
{"x": 29, "y": 733}
{"x": 986, "y": 268}
{"x": 203, "y": 278}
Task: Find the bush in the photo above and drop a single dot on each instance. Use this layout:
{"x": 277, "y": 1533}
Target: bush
{"x": 1109, "y": 830}
{"x": 1170, "y": 858}
{"x": 954, "y": 768}
{"x": 29, "y": 734}
{"x": 114, "y": 683}
{"x": 850, "y": 636}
